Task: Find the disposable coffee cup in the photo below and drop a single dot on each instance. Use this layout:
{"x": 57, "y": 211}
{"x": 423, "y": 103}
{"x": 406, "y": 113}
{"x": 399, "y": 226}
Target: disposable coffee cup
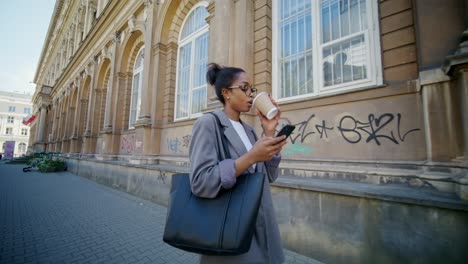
{"x": 264, "y": 104}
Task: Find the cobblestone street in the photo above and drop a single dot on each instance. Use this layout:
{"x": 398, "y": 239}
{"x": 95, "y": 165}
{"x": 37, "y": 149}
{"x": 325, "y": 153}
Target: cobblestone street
{"x": 64, "y": 218}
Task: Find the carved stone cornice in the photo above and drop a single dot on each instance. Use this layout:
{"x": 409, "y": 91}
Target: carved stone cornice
{"x": 116, "y": 37}
{"x": 148, "y": 9}
{"x": 87, "y": 133}
{"x": 122, "y": 76}
{"x": 159, "y": 47}
{"x": 172, "y": 46}
{"x": 92, "y": 7}
{"x": 460, "y": 58}
{"x": 211, "y": 10}
{"x": 132, "y": 23}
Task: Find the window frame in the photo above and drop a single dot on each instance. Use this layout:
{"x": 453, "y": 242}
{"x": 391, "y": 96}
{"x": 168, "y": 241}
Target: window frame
{"x": 25, "y": 130}
{"x": 11, "y": 109}
{"x": 189, "y": 39}
{"x": 6, "y": 131}
{"x": 136, "y": 71}
{"x": 22, "y": 150}
{"x": 10, "y": 120}
{"x": 373, "y": 51}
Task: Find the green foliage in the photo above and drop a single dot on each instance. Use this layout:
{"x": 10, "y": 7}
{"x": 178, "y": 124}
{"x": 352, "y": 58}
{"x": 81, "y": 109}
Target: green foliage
{"x": 52, "y": 165}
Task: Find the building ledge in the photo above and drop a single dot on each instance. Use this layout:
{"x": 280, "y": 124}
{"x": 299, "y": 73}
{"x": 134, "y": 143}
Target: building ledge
{"x": 386, "y": 192}
{"x": 422, "y": 195}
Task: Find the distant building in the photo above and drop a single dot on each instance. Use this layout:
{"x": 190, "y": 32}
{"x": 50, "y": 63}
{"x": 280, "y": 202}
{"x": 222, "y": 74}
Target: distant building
{"x": 13, "y": 108}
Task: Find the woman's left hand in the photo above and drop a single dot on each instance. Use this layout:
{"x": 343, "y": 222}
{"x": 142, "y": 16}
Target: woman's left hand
{"x": 267, "y": 124}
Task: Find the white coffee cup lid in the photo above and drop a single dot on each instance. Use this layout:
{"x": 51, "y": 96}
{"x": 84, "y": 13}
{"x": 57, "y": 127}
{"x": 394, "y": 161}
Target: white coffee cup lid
{"x": 272, "y": 113}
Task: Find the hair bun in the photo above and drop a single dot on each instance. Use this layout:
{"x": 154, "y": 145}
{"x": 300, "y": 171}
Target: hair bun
{"x": 212, "y": 73}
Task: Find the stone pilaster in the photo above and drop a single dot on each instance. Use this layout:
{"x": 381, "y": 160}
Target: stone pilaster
{"x": 456, "y": 65}
{"x": 112, "y": 91}
{"x": 147, "y": 90}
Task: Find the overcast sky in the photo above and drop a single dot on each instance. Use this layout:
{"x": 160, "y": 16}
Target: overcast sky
{"x": 23, "y": 27}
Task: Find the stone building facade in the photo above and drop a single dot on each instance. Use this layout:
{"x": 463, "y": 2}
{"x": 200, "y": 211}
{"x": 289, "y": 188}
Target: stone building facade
{"x": 14, "y": 107}
{"x": 377, "y": 169}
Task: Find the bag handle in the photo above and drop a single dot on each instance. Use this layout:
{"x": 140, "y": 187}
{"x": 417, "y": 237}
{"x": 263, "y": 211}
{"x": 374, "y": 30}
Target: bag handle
{"x": 223, "y": 138}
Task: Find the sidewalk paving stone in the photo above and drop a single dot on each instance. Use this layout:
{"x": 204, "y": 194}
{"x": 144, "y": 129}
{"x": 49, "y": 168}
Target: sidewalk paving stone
{"x": 65, "y": 218}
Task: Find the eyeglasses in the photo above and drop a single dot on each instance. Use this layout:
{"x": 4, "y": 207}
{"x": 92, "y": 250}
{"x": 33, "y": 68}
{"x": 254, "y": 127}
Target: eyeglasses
{"x": 248, "y": 89}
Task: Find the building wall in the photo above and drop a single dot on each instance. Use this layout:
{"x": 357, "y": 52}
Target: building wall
{"x": 397, "y": 142}
{"x": 22, "y": 106}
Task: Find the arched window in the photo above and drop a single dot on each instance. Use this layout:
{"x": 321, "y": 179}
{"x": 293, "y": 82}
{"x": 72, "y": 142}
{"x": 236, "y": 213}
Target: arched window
{"x": 136, "y": 88}
{"x": 191, "y": 65}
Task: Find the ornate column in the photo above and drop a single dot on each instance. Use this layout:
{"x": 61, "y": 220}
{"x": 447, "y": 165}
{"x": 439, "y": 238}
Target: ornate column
{"x": 90, "y": 133}
{"x": 456, "y": 65}
{"x": 36, "y": 127}
{"x": 111, "y": 135}
{"x": 91, "y": 98}
{"x": 90, "y": 9}
{"x": 169, "y": 92}
{"x": 78, "y": 37}
{"x": 76, "y": 114}
{"x": 111, "y": 96}
{"x": 143, "y": 123}
{"x": 243, "y": 51}
{"x": 147, "y": 90}
{"x": 42, "y": 121}
{"x": 71, "y": 43}
{"x": 53, "y": 127}
{"x": 93, "y": 127}
{"x": 66, "y": 122}
{"x": 87, "y": 15}
{"x": 217, "y": 30}
{"x": 159, "y": 71}
{"x": 125, "y": 85}
{"x": 72, "y": 135}
{"x": 82, "y": 117}
{"x": 58, "y": 116}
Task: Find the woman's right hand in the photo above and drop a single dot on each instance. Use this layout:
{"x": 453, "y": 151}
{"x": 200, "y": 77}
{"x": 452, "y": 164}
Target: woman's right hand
{"x": 263, "y": 150}
{"x": 266, "y": 147}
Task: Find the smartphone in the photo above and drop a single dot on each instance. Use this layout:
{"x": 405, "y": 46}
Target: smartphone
{"x": 286, "y": 130}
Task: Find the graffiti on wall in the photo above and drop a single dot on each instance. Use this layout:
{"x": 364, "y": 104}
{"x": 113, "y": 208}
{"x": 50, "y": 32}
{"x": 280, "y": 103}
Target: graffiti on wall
{"x": 127, "y": 143}
{"x": 161, "y": 177}
{"x": 178, "y": 145}
{"x": 374, "y": 129}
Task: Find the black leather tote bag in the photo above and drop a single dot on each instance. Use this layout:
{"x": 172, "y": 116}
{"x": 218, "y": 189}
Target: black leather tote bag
{"x": 223, "y": 225}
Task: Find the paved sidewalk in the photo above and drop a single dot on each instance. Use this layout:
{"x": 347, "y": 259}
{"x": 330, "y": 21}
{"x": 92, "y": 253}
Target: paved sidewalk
{"x": 64, "y": 218}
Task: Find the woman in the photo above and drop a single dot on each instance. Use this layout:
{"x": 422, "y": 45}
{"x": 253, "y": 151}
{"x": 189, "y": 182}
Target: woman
{"x": 209, "y": 174}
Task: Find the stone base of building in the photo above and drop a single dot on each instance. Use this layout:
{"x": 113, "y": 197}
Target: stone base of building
{"x": 393, "y": 213}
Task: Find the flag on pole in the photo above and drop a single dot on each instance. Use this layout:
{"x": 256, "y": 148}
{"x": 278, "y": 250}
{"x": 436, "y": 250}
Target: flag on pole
{"x": 28, "y": 119}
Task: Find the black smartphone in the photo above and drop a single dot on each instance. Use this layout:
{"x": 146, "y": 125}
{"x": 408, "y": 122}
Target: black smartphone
{"x": 286, "y": 130}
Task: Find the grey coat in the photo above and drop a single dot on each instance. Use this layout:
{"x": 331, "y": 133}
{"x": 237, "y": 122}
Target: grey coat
{"x": 209, "y": 175}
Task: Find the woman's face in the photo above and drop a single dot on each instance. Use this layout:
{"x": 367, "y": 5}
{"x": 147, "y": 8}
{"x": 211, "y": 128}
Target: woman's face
{"x": 236, "y": 98}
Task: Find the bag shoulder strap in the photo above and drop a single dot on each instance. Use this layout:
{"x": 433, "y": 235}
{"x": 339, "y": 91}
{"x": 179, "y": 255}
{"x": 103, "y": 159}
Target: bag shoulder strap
{"x": 223, "y": 137}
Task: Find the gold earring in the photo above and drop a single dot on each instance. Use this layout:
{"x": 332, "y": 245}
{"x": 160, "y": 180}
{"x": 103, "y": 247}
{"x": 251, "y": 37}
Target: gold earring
{"x": 228, "y": 97}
